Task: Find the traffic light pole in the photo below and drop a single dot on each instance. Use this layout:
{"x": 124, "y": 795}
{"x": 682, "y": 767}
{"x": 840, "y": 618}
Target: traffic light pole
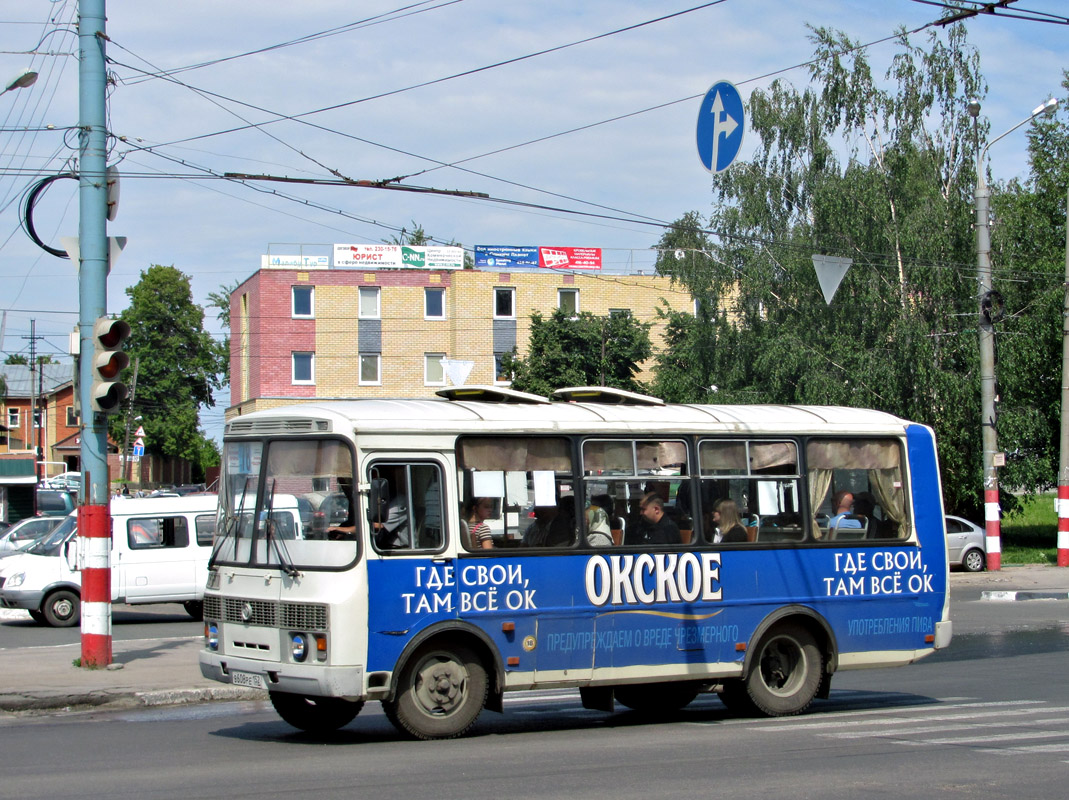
{"x": 94, "y": 522}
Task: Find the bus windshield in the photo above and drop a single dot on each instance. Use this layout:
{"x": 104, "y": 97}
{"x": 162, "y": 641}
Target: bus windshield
{"x": 287, "y": 504}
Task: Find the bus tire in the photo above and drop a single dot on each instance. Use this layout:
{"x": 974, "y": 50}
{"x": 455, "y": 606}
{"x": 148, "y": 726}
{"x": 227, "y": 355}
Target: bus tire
{"x": 315, "y": 714}
{"x": 62, "y": 609}
{"x": 973, "y": 561}
{"x": 195, "y": 609}
{"x": 735, "y": 698}
{"x": 657, "y": 698}
{"x": 785, "y": 673}
{"x": 441, "y": 692}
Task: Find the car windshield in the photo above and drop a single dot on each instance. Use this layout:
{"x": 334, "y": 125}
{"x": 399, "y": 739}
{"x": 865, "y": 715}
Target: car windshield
{"x": 50, "y": 545}
{"x": 287, "y": 504}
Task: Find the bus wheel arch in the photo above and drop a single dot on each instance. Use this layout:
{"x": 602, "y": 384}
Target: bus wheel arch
{"x": 465, "y": 635}
{"x": 440, "y": 689}
{"x": 789, "y": 662}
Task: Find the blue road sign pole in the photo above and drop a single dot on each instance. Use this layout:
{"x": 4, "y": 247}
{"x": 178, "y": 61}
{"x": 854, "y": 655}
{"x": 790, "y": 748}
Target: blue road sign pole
{"x": 721, "y": 122}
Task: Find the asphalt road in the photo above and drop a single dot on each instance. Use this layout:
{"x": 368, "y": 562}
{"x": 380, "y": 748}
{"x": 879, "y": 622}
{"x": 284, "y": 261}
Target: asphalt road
{"x": 985, "y": 718}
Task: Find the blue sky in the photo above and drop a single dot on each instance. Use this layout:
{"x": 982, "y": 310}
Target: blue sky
{"x": 215, "y": 231}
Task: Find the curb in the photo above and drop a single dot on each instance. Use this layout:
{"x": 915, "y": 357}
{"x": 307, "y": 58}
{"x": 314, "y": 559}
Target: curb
{"x": 1012, "y": 596}
{"x": 62, "y": 701}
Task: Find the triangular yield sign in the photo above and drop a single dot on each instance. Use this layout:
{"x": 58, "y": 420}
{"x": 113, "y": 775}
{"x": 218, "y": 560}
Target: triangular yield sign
{"x": 830, "y": 271}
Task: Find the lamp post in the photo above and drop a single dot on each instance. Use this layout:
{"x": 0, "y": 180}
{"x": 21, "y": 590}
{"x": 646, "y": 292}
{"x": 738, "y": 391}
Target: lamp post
{"x": 988, "y": 314}
{"x": 25, "y": 78}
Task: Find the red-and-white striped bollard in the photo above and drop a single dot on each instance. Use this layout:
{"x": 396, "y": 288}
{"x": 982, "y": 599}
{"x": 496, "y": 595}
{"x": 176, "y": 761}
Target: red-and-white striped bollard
{"x": 94, "y": 529}
{"x": 1063, "y": 526}
{"x": 993, "y": 526}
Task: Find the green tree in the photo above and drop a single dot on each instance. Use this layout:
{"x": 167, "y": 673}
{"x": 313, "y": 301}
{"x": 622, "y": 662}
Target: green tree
{"x": 1028, "y": 259}
{"x": 580, "y": 350}
{"x": 878, "y": 171}
{"x": 221, "y": 301}
{"x": 179, "y": 365}
{"x": 18, "y": 358}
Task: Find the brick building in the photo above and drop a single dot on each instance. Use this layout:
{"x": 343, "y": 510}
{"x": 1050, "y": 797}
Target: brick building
{"x": 328, "y": 332}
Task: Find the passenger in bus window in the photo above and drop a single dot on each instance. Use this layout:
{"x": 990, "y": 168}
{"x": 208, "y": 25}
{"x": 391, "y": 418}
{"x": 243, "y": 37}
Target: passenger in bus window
{"x": 729, "y": 527}
{"x": 843, "y": 503}
{"x": 598, "y": 533}
{"x": 479, "y": 510}
{"x": 653, "y": 526}
{"x": 392, "y": 531}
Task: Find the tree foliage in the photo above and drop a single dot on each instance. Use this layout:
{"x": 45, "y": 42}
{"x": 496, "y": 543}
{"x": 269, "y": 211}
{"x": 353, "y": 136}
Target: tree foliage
{"x": 179, "y": 364}
{"x": 580, "y": 350}
{"x": 882, "y": 172}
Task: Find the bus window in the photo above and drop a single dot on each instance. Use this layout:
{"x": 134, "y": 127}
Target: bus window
{"x": 868, "y": 471}
{"x": 636, "y": 490}
{"x": 761, "y": 479}
{"x": 405, "y": 509}
{"x": 516, "y": 491}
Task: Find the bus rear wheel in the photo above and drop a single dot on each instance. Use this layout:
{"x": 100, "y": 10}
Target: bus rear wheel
{"x": 785, "y": 674}
{"x": 315, "y": 714}
{"x": 440, "y": 694}
{"x": 657, "y": 698}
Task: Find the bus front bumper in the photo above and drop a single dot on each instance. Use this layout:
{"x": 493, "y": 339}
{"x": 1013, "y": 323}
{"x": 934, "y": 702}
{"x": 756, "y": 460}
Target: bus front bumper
{"x": 316, "y": 680}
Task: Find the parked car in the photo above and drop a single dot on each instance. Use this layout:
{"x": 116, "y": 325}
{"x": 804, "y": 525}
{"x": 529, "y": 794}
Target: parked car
{"x": 66, "y": 481}
{"x": 25, "y": 532}
{"x": 54, "y": 503}
{"x": 966, "y": 544}
{"x": 190, "y": 488}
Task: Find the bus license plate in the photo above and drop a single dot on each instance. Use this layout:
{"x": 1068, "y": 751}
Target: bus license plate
{"x": 247, "y": 679}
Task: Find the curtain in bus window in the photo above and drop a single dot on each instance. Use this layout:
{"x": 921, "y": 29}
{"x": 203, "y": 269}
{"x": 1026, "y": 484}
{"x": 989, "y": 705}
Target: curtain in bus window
{"x": 608, "y": 458}
{"x": 881, "y": 458}
{"x": 516, "y": 454}
{"x": 661, "y": 458}
{"x": 723, "y": 458}
{"x": 773, "y": 458}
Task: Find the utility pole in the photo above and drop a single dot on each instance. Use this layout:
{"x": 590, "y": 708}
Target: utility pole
{"x": 1063, "y": 458}
{"x": 35, "y": 395}
{"x": 129, "y": 414}
{"x": 992, "y": 509}
{"x": 94, "y": 523}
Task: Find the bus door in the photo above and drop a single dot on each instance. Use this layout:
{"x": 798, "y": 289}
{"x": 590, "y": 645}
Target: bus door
{"x": 412, "y": 575}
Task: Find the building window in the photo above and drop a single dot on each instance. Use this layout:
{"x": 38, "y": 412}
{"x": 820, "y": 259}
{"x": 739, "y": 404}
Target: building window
{"x": 434, "y": 303}
{"x": 433, "y": 371}
{"x": 568, "y": 301}
{"x": 370, "y": 364}
{"x": 304, "y": 301}
{"x": 619, "y": 312}
{"x": 369, "y": 302}
{"x": 504, "y": 304}
{"x": 304, "y": 368}
{"x": 72, "y": 417}
{"x": 500, "y": 374}
{"x": 37, "y": 416}
{"x": 13, "y": 418}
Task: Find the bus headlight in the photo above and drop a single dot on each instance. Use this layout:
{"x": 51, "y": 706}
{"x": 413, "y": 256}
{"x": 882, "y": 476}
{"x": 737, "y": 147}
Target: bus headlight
{"x": 211, "y": 635}
{"x": 14, "y": 581}
{"x": 299, "y": 646}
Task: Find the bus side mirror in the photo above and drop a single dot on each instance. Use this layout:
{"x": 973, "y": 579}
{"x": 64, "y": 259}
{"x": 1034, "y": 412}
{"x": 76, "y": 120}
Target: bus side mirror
{"x": 378, "y": 498}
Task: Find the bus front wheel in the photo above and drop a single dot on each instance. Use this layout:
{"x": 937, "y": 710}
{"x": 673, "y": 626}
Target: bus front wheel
{"x": 440, "y": 693}
{"x": 785, "y": 674}
{"x": 315, "y": 714}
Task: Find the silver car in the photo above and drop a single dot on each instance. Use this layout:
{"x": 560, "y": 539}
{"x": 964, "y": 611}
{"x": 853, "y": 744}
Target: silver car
{"x": 966, "y": 544}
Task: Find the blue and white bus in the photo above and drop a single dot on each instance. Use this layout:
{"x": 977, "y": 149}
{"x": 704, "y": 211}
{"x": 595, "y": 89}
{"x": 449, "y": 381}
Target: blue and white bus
{"x": 446, "y": 551}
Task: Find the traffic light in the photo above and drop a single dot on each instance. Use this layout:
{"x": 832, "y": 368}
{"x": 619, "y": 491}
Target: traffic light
{"x": 108, "y": 362}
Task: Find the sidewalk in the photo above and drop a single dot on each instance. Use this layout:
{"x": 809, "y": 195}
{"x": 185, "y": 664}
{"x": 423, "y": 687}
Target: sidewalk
{"x": 155, "y": 672}
{"x": 145, "y": 672}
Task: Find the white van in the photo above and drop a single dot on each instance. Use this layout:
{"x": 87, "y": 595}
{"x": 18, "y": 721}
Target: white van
{"x": 159, "y": 554}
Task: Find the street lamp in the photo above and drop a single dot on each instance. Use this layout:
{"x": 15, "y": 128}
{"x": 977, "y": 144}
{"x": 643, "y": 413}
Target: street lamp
{"x": 988, "y": 315}
{"x": 25, "y": 78}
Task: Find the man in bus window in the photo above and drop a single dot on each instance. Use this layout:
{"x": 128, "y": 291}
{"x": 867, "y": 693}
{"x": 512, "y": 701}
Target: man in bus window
{"x": 843, "y": 503}
{"x": 653, "y": 526}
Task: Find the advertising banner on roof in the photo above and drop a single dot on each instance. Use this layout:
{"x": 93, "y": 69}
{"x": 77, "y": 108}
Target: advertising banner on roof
{"x": 393, "y": 256}
{"x": 569, "y": 257}
{"x": 289, "y": 262}
{"x": 503, "y": 256}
